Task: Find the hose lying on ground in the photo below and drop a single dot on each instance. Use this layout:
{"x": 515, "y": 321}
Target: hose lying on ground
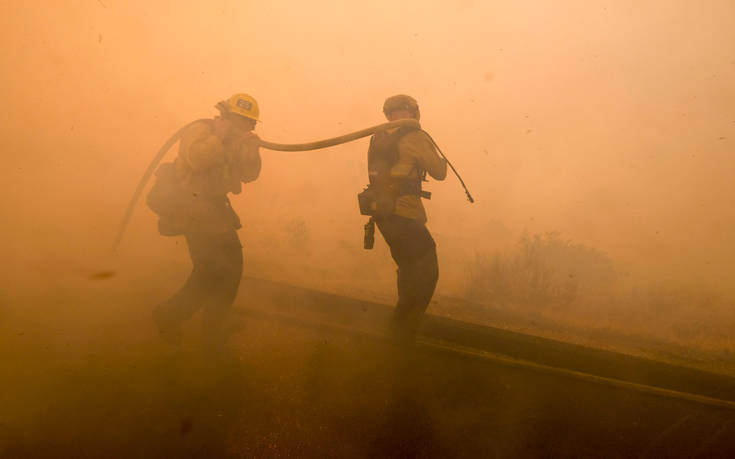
{"x": 271, "y": 146}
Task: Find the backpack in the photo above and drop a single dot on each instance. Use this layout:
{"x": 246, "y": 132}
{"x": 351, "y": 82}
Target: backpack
{"x": 180, "y": 210}
{"x": 166, "y": 198}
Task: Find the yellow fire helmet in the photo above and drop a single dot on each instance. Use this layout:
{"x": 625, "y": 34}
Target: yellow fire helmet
{"x": 245, "y": 105}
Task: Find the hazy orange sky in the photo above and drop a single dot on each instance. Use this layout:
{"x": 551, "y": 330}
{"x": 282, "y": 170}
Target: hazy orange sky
{"x": 612, "y": 122}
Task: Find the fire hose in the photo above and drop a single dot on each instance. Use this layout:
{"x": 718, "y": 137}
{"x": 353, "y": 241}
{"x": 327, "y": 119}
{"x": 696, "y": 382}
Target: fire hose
{"x": 270, "y": 146}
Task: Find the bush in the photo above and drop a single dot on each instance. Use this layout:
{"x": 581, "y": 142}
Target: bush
{"x": 543, "y": 271}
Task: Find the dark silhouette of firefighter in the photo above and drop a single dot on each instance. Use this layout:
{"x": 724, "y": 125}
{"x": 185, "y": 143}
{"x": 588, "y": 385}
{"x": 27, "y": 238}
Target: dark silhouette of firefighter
{"x": 215, "y": 158}
{"x": 398, "y": 161}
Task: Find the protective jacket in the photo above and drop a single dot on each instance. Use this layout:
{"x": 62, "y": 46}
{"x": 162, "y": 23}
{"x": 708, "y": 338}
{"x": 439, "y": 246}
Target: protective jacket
{"x": 399, "y": 160}
{"x": 206, "y": 169}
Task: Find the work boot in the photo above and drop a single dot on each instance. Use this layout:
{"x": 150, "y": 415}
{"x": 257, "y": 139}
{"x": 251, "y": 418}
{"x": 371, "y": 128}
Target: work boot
{"x": 168, "y": 330}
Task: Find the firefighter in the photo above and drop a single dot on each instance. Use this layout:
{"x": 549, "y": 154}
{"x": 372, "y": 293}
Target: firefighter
{"x": 215, "y": 158}
{"x": 398, "y": 161}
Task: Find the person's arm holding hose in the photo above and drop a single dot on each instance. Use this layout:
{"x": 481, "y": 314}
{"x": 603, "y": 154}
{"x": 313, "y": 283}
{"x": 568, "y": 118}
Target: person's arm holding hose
{"x": 418, "y": 149}
{"x": 245, "y": 162}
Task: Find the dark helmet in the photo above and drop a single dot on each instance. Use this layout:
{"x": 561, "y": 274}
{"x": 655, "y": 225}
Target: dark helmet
{"x": 401, "y": 102}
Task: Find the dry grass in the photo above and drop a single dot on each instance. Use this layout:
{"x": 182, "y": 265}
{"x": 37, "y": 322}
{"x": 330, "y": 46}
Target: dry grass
{"x": 579, "y": 292}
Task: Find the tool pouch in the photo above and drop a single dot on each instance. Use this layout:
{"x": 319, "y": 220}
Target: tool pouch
{"x": 376, "y": 201}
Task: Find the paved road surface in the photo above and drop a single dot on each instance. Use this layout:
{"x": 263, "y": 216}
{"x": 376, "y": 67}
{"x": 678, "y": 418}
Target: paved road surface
{"x": 310, "y": 375}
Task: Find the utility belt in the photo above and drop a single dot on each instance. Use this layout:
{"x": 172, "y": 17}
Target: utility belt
{"x": 379, "y": 200}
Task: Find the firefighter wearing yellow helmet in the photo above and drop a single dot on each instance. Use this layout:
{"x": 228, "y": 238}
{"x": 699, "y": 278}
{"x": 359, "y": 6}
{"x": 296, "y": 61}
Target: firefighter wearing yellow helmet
{"x": 215, "y": 158}
{"x": 244, "y": 105}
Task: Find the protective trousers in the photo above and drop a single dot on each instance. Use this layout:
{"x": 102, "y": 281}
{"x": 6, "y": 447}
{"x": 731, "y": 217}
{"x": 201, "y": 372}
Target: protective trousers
{"x": 414, "y": 251}
{"x": 211, "y": 286}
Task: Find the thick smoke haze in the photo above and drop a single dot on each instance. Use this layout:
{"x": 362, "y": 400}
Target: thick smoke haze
{"x": 596, "y": 137}
{"x": 609, "y": 122}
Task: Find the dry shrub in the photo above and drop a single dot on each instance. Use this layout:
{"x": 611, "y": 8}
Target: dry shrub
{"x": 543, "y": 271}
